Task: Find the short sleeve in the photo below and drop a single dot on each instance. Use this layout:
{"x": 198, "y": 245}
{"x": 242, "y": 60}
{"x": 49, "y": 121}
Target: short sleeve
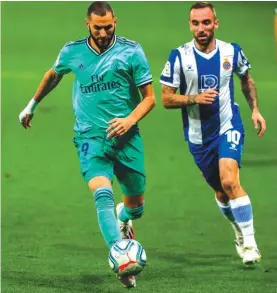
{"x": 171, "y": 73}
{"x": 241, "y": 63}
{"x": 141, "y": 70}
{"x": 61, "y": 65}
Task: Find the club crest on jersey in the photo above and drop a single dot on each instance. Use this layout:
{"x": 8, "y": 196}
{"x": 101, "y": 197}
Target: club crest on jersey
{"x": 226, "y": 64}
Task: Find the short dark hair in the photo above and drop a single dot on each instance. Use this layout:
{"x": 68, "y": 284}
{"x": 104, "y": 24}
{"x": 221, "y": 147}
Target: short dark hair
{"x": 100, "y": 8}
{"x": 203, "y": 4}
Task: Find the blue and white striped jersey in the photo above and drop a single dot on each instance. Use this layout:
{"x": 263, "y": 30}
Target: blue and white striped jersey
{"x": 193, "y": 72}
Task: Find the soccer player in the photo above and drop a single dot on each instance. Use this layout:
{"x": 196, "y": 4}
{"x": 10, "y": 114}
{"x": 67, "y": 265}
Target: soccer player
{"x": 110, "y": 73}
{"x": 202, "y": 70}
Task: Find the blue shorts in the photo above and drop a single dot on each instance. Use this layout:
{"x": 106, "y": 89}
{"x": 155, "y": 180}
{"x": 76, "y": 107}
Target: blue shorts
{"x": 206, "y": 157}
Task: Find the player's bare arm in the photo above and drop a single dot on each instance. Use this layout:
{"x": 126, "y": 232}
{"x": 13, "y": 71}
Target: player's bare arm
{"x": 120, "y": 126}
{"x": 171, "y": 100}
{"x": 250, "y": 92}
{"x": 49, "y": 81}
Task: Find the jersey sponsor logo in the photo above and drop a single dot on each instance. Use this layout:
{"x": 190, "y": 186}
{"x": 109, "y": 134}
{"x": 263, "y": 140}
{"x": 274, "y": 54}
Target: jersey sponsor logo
{"x": 226, "y": 64}
{"x": 98, "y": 85}
{"x": 167, "y": 70}
{"x": 95, "y": 78}
{"x": 208, "y": 81}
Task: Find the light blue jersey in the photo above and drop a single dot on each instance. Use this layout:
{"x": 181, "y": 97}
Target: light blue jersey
{"x": 193, "y": 72}
{"x": 106, "y": 84}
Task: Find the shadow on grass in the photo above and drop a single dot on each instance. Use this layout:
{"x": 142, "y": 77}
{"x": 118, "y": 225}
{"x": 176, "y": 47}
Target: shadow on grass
{"x": 191, "y": 258}
{"x": 209, "y": 263}
{"x": 80, "y": 283}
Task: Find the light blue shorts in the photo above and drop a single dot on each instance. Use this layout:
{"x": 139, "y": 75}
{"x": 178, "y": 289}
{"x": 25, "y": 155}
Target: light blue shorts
{"x": 124, "y": 158}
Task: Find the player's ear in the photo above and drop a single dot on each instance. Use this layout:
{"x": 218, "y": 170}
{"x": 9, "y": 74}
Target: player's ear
{"x": 115, "y": 21}
{"x": 216, "y": 22}
{"x": 87, "y": 23}
{"x": 190, "y": 28}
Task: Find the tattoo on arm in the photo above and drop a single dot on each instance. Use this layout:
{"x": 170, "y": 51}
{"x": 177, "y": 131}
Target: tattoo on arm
{"x": 168, "y": 91}
{"x": 171, "y": 100}
{"x": 249, "y": 91}
{"x": 191, "y": 99}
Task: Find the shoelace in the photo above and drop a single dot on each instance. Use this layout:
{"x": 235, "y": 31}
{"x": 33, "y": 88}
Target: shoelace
{"x": 239, "y": 241}
{"x": 126, "y": 229}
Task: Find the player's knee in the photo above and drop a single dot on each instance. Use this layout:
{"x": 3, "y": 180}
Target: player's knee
{"x": 229, "y": 185}
{"x": 135, "y": 213}
{"x": 222, "y": 197}
{"x": 103, "y": 198}
{"x": 99, "y": 182}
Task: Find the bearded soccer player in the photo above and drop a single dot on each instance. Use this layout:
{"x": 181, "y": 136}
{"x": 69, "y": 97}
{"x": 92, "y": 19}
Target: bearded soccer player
{"x": 203, "y": 70}
{"x": 110, "y": 73}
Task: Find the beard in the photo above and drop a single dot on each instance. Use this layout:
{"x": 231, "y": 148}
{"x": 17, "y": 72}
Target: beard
{"x": 204, "y": 39}
{"x": 102, "y": 43}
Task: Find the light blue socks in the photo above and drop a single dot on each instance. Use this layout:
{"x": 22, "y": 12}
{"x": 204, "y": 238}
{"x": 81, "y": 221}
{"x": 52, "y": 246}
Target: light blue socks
{"x": 108, "y": 225}
{"x": 242, "y": 211}
{"x": 226, "y": 210}
{"x": 130, "y": 214}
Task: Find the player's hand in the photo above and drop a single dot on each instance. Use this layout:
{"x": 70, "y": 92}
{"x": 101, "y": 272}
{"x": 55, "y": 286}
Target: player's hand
{"x": 25, "y": 118}
{"x": 259, "y": 122}
{"x": 119, "y": 126}
{"x": 207, "y": 97}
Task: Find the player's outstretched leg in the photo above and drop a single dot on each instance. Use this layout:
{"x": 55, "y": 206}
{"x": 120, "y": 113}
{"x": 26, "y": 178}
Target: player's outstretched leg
{"x": 104, "y": 202}
{"x": 131, "y": 178}
{"x": 224, "y": 206}
{"x": 241, "y": 208}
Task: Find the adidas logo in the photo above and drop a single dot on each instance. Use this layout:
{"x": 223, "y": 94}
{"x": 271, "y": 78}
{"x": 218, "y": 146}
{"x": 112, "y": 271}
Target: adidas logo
{"x": 81, "y": 66}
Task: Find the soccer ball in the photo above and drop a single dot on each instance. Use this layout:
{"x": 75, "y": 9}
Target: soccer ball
{"x": 127, "y": 257}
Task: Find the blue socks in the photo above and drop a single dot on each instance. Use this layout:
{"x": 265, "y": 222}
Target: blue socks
{"x": 130, "y": 214}
{"x": 108, "y": 225}
{"x": 226, "y": 210}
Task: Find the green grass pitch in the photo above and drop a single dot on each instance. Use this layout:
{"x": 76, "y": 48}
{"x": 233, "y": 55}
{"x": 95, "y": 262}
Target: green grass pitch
{"x": 50, "y": 238}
